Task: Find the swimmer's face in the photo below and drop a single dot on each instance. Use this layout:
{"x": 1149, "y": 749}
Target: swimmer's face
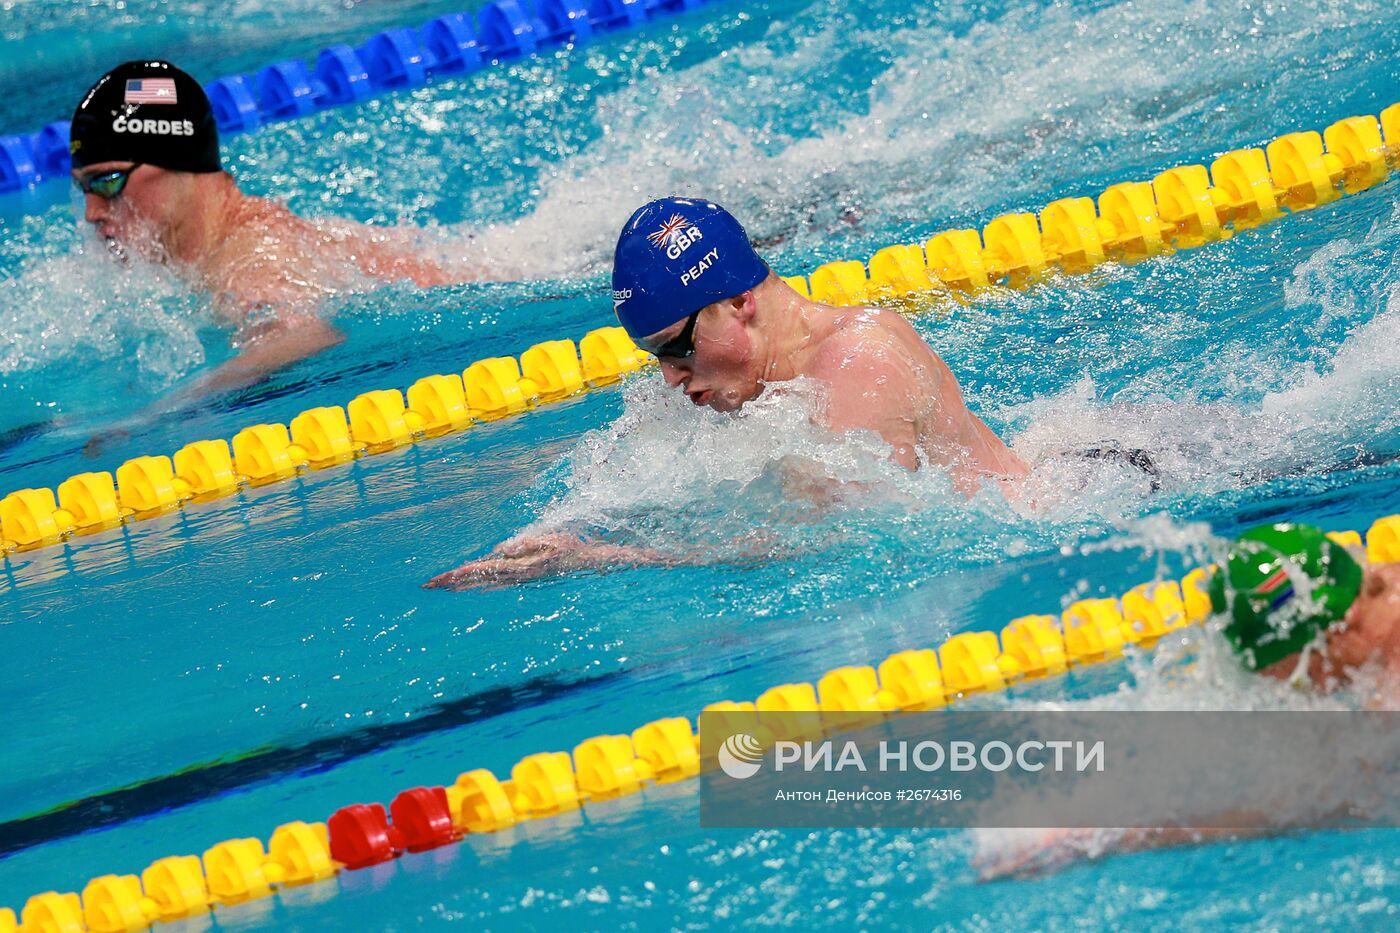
{"x": 1370, "y": 631}
{"x": 721, "y": 373}
{"x": 144, "y": 214}
{"x": 1372, "y": 624}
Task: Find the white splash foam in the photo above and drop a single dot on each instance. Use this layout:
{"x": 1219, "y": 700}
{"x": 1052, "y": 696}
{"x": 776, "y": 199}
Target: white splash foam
{"x": 74, "y": 307}
{"x": 1324, "y": 413}
{"x": 959, "y": 120}
{"x": 666, "y": 454}
{"x": 1353, "y": 396}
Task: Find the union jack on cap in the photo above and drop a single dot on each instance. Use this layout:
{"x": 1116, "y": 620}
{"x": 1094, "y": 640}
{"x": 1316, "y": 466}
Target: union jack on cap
{"x": 668, "y": 230}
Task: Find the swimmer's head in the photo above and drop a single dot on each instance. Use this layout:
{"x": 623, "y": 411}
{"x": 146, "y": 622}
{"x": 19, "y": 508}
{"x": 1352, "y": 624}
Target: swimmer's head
{"x": 145, "y": 152}
{"x": 148, "y": 113}
{"x": 1282, "y": 585}
{"x": 674, "y": 257}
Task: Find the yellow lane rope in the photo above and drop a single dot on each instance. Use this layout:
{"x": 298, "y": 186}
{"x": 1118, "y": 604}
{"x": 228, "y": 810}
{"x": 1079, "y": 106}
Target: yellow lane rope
{"x": 544, "y": 784}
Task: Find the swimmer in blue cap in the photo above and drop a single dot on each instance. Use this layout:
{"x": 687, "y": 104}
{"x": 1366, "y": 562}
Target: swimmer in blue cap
{"x": 145, "y": 151}
{"x": 689, "y": 288}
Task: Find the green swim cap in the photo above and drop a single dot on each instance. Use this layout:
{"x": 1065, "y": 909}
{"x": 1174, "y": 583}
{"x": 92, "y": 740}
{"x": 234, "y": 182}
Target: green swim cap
{"x": 1268, "y": 618}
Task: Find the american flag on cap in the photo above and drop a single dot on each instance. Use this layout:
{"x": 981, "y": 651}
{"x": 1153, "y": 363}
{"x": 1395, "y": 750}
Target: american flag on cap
{"x": 150, "y": 91}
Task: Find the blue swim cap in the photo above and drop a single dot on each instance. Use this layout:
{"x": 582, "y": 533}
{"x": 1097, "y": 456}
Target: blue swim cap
{"x": 674, "y": 257}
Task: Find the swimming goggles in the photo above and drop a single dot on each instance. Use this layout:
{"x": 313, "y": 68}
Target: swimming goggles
{"x": 108, "y": 184}
{"x": 681, "y": 346}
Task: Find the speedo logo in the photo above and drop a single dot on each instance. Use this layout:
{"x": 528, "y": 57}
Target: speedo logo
{"x": 677, "y": 235}
{"x": 160, "y": 127}
{"x": 621, "y": 294}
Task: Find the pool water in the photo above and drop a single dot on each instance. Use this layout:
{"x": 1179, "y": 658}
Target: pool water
{"x": 270, "y": 656}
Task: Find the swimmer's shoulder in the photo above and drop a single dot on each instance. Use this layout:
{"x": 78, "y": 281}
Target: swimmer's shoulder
{"x": 889, "y": 346}
{"x": 860, "y": 345}
{"x": 876, "y": 331}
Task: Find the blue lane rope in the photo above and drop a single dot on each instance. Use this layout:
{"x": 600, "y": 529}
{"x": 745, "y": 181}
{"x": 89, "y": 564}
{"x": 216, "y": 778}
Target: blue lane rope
{"x": 394, "y": 59}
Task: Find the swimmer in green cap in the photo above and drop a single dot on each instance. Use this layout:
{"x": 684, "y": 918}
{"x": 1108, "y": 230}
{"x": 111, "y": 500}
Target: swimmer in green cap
{"x": 1297, "y": 605}
{"x": 1294, "y": 605}
{"x": 145, "y": 151}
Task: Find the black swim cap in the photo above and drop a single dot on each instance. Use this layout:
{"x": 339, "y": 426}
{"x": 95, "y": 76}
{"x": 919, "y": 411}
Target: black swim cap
{"x": 147, "y": 112}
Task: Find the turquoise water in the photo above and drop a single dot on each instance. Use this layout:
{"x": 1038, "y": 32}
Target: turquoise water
{"x": 270, "y": 657}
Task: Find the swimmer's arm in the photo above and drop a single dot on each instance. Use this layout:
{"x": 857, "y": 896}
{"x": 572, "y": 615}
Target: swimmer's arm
{"x": 1055, "y": 849}
{"x": 384, "y": 262}
{"x": 269, "y": 348}
{"x": 264, "y": 350}
{"x": 530, "y": 557}
{"x": 867, "y": 392}
{"x": 393, "y": 254}
{"x": 259, "y": 285}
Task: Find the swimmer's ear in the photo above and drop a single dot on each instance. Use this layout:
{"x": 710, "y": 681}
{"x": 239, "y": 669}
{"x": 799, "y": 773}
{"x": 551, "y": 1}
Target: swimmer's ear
{"x": 744, "y": 306}
{"x": 1373, "y": 584}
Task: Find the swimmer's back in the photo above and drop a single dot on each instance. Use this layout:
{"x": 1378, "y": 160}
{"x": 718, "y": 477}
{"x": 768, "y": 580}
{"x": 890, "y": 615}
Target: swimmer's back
{"x": 877, "y": 354}
{"x": 273, "y": 258}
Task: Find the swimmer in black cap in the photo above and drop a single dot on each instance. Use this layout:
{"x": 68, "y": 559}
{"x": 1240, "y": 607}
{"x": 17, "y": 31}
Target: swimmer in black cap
{"x": 146, "y": 155}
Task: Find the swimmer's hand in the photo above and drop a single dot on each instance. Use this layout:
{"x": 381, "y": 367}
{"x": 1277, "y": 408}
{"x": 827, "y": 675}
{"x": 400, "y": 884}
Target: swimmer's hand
{"x": 534, "y": 556}
{"x": 1029, "y": 853}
